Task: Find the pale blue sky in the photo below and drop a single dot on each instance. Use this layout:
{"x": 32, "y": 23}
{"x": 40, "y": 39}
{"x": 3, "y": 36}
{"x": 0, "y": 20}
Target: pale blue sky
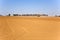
{"x": 50, "y": 7}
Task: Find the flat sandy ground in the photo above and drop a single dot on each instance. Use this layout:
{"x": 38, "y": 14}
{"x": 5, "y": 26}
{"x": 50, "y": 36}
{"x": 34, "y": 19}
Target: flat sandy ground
{"x": 29, "y": 28}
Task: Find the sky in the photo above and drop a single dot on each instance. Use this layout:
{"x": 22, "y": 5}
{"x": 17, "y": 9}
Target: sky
{"x": 50, "y": 7}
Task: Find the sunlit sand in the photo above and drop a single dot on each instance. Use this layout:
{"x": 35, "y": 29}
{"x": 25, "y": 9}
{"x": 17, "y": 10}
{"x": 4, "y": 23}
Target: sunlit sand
{"x": 29, "y": 28}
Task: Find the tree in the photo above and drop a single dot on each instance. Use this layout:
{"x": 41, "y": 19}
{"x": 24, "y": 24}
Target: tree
{"x": 15, "y": 14}
{"x": 9, "y": 14}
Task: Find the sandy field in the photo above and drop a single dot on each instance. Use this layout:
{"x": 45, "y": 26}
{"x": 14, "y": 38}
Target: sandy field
{"x": 29, "y": 28}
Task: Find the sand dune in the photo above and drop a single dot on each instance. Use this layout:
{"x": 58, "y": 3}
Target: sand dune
{"x": 29, "y": 28}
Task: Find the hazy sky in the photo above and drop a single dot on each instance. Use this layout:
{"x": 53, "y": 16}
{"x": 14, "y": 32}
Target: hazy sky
{"x": 50, "y": 7}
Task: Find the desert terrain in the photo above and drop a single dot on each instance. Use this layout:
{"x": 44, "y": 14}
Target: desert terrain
{"x": 29, "y": 28}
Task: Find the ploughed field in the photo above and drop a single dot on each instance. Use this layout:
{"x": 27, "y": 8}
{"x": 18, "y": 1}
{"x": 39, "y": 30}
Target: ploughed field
{"x": 29, "y": 28}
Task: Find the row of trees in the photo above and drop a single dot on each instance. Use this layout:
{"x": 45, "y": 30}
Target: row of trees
{"x": 57, "y": 15}
{"x": 30, "y": 15}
